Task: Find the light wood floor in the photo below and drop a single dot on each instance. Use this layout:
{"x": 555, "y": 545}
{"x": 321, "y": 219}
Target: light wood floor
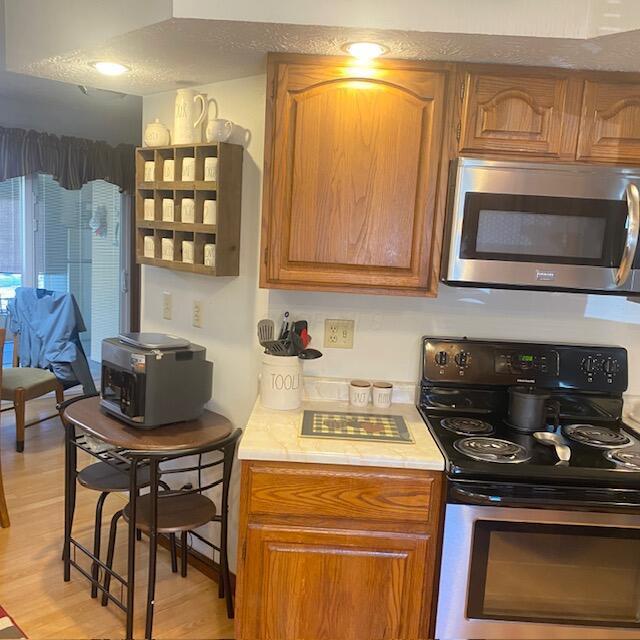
{"x": 31, "y": 586}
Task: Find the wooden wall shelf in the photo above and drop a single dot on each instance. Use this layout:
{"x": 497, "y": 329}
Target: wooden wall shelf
{"x": 226, "y": 192}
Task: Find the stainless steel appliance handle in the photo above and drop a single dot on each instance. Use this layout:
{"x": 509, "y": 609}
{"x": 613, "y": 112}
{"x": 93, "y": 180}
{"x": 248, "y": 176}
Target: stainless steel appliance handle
{"x": 544, "y": 497}
{"x": 631, "y": 241}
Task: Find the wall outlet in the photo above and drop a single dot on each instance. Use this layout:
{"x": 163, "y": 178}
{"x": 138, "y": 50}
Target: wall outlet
{"x": 166, "y": 305}
{"x": 196, "y": 320}
{"x": 338, "y": 334}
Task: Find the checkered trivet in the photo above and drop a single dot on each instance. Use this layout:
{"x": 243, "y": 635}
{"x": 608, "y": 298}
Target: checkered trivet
{"x": 355, "y": 426}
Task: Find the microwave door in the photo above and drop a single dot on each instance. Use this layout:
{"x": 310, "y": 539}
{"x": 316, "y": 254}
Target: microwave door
{"x": 511, "y": 230}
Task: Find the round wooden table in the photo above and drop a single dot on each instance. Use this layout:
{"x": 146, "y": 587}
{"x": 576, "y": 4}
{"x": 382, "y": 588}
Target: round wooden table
{"x": 210, "y": 432}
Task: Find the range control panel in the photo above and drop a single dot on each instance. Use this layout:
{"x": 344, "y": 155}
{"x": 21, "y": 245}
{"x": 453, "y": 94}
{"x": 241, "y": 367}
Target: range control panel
{"x": 553, "y": 366}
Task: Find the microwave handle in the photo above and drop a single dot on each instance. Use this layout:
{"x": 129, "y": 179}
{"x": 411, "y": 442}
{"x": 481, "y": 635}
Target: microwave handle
{"x": 631, "y": 241}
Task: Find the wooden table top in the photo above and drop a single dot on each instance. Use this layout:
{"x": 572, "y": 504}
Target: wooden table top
{"x": 208, "y": 429}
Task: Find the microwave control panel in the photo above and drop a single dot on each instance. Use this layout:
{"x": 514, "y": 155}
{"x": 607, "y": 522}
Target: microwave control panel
{"x": 480, "y": 362}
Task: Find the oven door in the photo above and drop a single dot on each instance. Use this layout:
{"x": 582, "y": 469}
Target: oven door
{"x": 543, "y": 226}
{"x": 538, "y": 573}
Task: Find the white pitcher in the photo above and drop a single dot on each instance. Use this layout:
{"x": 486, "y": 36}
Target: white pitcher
{"x": 187, "y": 129}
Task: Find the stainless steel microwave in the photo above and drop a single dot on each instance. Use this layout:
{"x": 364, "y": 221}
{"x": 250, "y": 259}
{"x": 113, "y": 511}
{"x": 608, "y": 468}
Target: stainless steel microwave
{"x": 542, "y": 226}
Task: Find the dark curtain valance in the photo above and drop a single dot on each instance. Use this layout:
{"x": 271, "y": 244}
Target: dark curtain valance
{"x": 71, "y": 161}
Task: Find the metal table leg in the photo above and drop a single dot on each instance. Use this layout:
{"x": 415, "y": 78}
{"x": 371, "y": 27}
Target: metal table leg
{"x": 153, "y": 545}
{"x": 225, "y": 578}
{"x": 70, "y": 462}
{"x": 131, "y": 560}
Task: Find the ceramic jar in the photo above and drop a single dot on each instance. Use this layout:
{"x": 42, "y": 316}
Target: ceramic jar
{"x": 281, "y": 382}
{"x": 156, "y": 134}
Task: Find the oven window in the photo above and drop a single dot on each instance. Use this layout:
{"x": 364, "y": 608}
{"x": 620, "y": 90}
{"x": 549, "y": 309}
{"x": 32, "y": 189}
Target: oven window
{"x": 555, "y": 573}
{"x": 543, "y": 229}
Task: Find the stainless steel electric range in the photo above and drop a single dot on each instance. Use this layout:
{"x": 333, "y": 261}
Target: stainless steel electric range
{"x": 542, "y": 530}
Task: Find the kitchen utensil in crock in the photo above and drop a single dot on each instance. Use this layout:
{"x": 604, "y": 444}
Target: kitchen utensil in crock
{"x": 310, "y": 354}
{"x": 266, "y": 330}
{"x": 278, "y": 348}
{"x": 530, "y": 408}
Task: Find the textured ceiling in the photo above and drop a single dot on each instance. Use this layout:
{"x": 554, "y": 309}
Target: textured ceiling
{"x": 181, "y": 52}
{"x": 60, "y": 96}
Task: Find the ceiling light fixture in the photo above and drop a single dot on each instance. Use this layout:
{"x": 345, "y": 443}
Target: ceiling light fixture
{"x": 109, "y": 68}
{"x": 365, "y": 50}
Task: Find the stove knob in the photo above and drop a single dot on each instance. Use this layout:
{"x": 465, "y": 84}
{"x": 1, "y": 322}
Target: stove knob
{"x": 442, "y": 358}
{"x": 611, "y": 366}
{"x": 462, "y": 359}
{"x": 589, "y": 364}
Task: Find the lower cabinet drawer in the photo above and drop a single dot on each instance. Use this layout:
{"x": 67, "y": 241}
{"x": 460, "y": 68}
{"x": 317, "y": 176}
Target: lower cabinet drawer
{"x": 332, "y": 491}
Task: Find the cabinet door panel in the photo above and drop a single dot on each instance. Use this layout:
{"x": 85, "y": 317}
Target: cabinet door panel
{"x": 352, "y": 177}
{"x": 524, "y": 114}
{"x": 333, "y": 585}
{"x": 355, "y": 175}
{"x": 610, "y": 129}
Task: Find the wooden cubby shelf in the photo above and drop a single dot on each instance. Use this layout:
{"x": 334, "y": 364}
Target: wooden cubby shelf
{"x": 225, "y": 192}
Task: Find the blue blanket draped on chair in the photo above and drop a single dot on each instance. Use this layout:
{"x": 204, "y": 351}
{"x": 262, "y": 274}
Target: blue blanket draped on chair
{"x": 49, "y": 324}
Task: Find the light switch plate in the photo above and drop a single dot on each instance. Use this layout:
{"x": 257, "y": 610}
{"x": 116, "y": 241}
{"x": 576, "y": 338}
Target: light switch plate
{"x": 166, "y": 305}
{"x": 197, "y": 314}
{"x": 338, "y": 334}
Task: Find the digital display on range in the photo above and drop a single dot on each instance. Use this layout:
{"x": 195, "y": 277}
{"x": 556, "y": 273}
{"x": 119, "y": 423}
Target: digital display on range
{"x": 525, "y": 358}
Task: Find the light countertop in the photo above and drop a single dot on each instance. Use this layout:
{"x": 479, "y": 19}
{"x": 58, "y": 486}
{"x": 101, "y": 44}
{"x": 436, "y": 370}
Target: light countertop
{"x": 275, "y": 435}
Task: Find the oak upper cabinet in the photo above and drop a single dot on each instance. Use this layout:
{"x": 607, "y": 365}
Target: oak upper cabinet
{"x": 352, "y": 161}
{"x": 515, "y": 112}
{"x": 332, "y": 552}
{"x": 610, "y": 126}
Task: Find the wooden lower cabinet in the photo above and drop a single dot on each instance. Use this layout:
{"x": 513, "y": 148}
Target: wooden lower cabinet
{"x": 313, "y": 577}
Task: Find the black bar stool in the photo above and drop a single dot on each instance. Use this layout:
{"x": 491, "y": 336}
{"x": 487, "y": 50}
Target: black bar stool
{"x": 108, "y": 478}
{"x": 181, "y": 511}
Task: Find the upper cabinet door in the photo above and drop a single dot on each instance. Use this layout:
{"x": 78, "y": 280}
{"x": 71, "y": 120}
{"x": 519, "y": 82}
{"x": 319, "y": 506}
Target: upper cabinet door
{"x": 610, "y": 127}
{"x": 520, "y": 113}
{"x": 351, "y": 169}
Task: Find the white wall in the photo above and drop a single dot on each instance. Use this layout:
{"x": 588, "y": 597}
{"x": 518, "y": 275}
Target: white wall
{"x": 231, "y": 306}
{"x": 86, "y": 120}
{"x": 545, "y": 18}
{"x": 387, "y": 329}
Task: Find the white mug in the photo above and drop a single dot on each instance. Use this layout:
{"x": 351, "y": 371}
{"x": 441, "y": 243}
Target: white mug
{"x": 188, "y": 210}
{"x": 382, "y": 394}
{"x": 149, "y": 247}
{"x": 167, "y": 248}
{"x": 188, "y": 169}
{"x": 218, "y": 130}
{"x": 359, "y": 392}
{"x": 167, "y": 209}
{"x": 210, "y": 169}
{"x": 209, "y": 212}
{"x": 209, "y": 255}
{"x": 187, "y": 251}
{"x": 169, "y": 170}
{"x": 149, "y": 171}
{"x": 149, "y": 209}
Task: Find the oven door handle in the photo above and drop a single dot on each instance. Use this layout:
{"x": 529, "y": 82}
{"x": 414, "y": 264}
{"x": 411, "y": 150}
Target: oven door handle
{"x": 631, "y": 241}
{"x": 572, "y": 499}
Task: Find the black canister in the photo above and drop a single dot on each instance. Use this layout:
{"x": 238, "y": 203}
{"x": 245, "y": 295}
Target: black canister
{"x": 530, "y": 408}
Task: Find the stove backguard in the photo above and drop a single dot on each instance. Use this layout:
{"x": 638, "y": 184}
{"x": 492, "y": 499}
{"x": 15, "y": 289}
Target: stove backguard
{"x": 462, "y": 362}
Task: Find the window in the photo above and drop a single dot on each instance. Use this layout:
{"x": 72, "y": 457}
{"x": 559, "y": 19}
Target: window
{"x": 65, "y": 241}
